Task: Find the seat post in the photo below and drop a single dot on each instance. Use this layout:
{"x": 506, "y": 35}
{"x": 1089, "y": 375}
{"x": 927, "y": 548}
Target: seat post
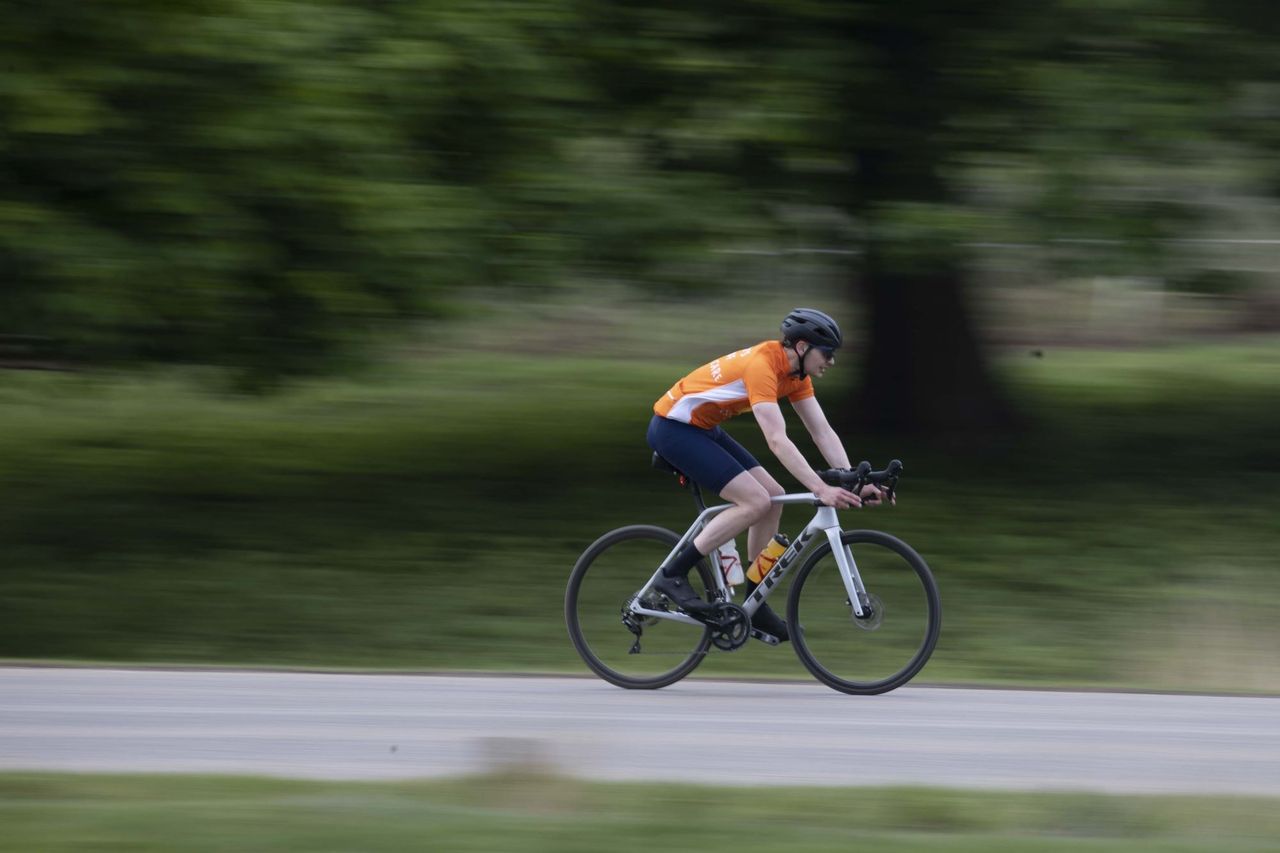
{"x": 697, "y": 497}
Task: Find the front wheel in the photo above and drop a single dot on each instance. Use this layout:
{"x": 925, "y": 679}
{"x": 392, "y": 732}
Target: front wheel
{"x": 629, "y": 651}
{"x": 887, "y": 646}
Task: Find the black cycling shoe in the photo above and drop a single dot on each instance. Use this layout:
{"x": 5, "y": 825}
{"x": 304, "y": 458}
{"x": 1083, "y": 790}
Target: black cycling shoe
{"x": 683, "y": 596}
{"x": 764, "y": 619}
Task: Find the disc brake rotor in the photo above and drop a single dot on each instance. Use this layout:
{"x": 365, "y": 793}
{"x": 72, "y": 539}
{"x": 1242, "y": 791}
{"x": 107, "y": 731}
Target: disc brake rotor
{"x": 874, "y": 608}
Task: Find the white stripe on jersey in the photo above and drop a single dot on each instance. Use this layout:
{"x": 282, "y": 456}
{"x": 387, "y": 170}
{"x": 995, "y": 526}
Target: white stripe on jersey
{"x": 683, "y": 409}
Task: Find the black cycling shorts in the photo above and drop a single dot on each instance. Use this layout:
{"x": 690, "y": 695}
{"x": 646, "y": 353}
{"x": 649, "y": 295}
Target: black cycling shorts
{"x": 710, "y": 456}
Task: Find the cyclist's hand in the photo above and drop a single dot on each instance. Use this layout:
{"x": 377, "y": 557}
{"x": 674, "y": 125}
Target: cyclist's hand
{"x": 837, "y": 497}
{"x": 874, "y": 496}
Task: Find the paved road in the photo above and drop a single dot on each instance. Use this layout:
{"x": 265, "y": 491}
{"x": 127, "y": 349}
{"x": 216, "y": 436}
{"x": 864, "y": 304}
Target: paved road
{"x": 335, "y": 726}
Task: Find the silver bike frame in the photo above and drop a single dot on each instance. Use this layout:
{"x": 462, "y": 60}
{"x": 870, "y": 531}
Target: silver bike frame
{"x": 824, "y": 521}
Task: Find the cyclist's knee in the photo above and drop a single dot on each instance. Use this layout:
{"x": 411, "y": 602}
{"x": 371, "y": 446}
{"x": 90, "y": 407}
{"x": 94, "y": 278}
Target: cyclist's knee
{"x": 766, "y": 481}
{"x": 757, "y": 503}
{"x": 750, "y": 495}
{"x": 767, "y": 507}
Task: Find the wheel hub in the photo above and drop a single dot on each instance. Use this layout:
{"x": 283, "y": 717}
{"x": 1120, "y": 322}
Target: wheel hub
{"x": 873, "y": 608}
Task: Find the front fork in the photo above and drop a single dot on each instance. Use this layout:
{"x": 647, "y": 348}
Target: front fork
{"x": 853, "y": 585}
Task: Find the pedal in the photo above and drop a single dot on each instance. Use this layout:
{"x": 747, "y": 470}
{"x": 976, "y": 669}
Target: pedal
{"x": 767, "y": 639}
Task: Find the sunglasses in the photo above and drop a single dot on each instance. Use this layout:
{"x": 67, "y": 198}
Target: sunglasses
{"x": 829, "y": 353}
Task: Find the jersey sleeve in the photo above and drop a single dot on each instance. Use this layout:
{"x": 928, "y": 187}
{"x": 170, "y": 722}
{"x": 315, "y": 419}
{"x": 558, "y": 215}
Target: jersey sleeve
{"x": 761, "y": 381}
{"x": 802, "y": 391}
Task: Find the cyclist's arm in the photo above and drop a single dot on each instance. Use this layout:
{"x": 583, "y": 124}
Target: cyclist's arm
{"x": 774, "y": 426}
{"x": 815, "y": 420}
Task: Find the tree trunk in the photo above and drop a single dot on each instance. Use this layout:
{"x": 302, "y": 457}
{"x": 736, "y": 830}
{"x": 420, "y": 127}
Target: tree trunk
{"x": 924, "y": 370}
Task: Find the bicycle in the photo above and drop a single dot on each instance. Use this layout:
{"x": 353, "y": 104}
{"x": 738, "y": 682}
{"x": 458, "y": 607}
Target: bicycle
{"x": 861, "y": 626}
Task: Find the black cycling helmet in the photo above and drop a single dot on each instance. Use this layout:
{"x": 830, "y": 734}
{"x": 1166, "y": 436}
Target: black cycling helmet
{"x": 812, "y": 325}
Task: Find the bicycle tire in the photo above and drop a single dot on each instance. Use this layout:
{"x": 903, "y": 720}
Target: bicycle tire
{"x": 592, "y": 642}
{"x": 833, "y": 645}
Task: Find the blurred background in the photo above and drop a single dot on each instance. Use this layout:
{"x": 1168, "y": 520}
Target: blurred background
{"x": 330, "y": 331}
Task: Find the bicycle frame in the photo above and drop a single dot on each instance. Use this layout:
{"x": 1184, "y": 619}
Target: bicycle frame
{"x": 824, "y": 521}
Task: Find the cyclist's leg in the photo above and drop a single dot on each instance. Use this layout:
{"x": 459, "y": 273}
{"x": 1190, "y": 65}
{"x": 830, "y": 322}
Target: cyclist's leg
{"x": 751, "y": 503}
{"x": 763, "y": 530}
{"x": 719, "y": 464}
{"x": 760, "y": 531}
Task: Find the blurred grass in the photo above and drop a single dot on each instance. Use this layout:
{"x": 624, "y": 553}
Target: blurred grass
{"x": 531, "y": 812}
{"x": 426, "y": 514}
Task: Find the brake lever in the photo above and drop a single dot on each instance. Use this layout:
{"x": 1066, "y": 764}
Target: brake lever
{"x": 861, "y": 472}
{"x": 889, "y": 492}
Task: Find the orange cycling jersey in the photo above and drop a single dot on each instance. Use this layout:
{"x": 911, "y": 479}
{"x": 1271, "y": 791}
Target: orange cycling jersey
{"x": 731, "y": 385}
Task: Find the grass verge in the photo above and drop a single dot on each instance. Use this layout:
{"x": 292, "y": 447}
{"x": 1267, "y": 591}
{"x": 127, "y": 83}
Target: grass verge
{"x": 538, "y": 813}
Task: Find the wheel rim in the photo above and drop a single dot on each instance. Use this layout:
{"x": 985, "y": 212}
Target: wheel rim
{"x": 605, "y": 586}
{"x": 872, "y": 653}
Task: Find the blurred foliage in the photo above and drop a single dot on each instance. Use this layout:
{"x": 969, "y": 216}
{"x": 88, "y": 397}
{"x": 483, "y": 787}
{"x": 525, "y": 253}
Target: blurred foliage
{"x": 266, "y": 186}
{"x": 428, "y": 516}
{"x": 261, "y": 184}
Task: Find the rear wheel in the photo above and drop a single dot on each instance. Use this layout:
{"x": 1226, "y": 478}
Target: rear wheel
{"x": 604, "y": 581}
{"x": 886, "y": 647}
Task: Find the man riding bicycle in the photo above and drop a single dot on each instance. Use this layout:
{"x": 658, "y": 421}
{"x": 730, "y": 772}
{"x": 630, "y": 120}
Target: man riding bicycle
{"x": 685, "y": 430}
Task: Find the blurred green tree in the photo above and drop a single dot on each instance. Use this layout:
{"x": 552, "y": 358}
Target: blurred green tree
{"x": 263, "y": 185}
{"x": 193, "y": 181}
{"x": 934, "y": 125}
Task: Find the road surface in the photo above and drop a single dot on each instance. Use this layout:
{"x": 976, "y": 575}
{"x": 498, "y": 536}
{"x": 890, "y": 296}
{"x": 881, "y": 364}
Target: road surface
{"x": 342, "y": 726}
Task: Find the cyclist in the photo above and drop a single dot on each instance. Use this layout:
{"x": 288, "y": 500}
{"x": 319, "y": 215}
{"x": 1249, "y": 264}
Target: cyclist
{"x": 686, "y": 431}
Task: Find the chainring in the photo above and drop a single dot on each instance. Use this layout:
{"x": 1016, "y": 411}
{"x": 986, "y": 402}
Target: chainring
{"x": 730, "y": 626}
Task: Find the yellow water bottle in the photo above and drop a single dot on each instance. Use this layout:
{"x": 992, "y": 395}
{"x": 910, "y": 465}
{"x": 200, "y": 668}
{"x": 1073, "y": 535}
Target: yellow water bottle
{"x": 764, "y": 563}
